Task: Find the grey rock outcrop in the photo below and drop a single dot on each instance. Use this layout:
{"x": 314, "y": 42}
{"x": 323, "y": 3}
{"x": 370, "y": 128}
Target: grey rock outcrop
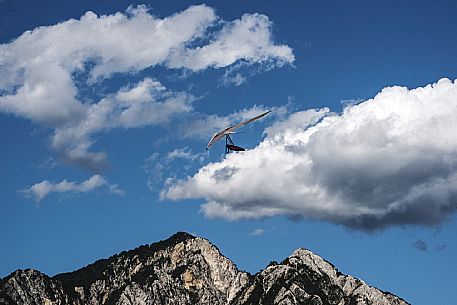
{"x": 34, "y": 288}
{"x": 306, "y": 278}
{"x": 189, "y": 270}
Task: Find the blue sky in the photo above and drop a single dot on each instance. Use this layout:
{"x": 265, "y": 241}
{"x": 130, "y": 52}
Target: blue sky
{"x": 104, "y": 121}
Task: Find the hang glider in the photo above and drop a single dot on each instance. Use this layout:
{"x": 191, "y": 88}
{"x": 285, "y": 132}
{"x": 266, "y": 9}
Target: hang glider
{"x": 229, "y": 146}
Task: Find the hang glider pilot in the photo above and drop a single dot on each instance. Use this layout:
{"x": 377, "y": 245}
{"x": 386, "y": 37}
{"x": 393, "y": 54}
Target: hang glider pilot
{"x": 229, "y": 145}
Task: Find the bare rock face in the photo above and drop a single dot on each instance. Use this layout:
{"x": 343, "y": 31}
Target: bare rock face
{"x": 189, "y": 270}
{"x": 32, "y": 287}
{"x": 181, "y": 270}
{"x": 306, "y": 278}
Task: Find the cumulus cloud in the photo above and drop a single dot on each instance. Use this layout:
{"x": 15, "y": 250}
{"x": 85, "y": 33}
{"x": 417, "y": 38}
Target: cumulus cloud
{"x": 40, "y": 190}
{"x": 248, "y": 39}
{"x": 388, "y": 161}
{"x": 145, "y": 103}
{"x": 39, "y": 70}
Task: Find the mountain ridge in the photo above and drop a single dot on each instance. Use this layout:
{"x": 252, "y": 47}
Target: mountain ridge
{"x": 185, "y": 269}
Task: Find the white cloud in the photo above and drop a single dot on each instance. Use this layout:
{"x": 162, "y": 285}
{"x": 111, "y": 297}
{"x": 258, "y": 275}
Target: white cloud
{"x": 297, "y": 121}
{"x": 257, "y": 232}
{"x": 237, "y": 79}
{"x": 38, "y": 65}
{"x": 351, "y": 102}
{"x": 146, "y": 103}
{"x": 40, "y": 190}
{"x": 248, "y": 38}
{"x": 38, "y": 82}
{"x": 182, "y": 153}
{"x": 391, "y": 160}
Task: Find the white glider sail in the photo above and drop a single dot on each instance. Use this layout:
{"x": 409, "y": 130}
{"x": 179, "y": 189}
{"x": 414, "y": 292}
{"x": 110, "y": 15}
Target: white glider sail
{"x": 230, "y": 130}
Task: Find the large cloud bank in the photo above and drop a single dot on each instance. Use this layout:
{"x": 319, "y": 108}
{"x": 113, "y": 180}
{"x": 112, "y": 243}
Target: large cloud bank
{"x": 391, "y": 160}
{"x": 39, "y": 69}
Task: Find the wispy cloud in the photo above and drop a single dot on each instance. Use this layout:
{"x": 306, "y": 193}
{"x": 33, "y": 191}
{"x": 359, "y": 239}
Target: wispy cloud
{"x": 420, "y": 245}
{"x": 183, "y": 153}
{"x": 40, "y": 190}
{"x": 257, "y": 232}
{"x": 157, "y": 167}
{"x": 388, "y": 161}
{"x": 233, "y": 79}
{"x": 424, "y": 246}
{"x": 351, "y": 102}
{"x": 204, "y": 126}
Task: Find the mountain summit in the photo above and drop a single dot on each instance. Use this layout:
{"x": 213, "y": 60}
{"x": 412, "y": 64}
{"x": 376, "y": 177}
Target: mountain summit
{"x": 185, "y": 269}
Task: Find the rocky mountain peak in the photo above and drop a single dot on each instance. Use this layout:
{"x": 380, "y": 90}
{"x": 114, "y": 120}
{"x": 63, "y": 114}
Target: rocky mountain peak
{"x": 31, "y": 287}
{"x": 185, "y": 269}
{"x": 313, "y": 261}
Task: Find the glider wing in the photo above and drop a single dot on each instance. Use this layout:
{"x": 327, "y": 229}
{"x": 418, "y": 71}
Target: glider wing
{"x": 219, "y": 135}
